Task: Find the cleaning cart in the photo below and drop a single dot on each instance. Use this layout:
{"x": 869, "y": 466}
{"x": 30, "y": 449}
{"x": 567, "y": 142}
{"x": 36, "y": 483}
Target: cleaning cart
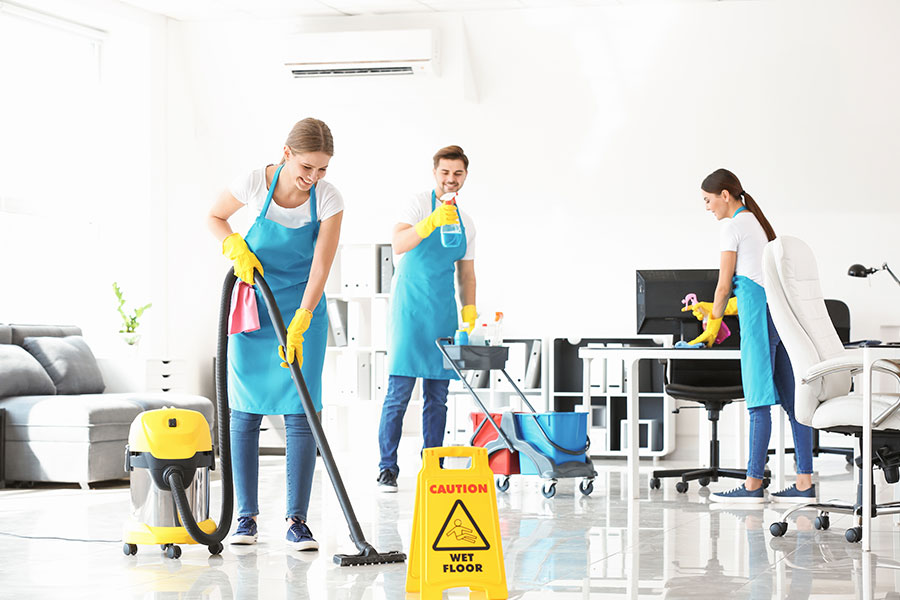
{"x": 551, "y": 445}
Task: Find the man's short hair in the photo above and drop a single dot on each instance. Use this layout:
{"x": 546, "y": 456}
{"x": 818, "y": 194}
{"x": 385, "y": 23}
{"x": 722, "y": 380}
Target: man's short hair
{"x": 451, "y": 153}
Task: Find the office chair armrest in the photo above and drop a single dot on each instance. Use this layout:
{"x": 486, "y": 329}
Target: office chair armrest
{"x": 834, "y": 365}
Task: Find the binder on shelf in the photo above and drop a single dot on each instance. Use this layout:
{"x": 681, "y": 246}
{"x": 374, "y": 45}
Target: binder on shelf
{"x": 385, "y": 268}
{"x": 358, "y": 270}
{"x": 478, "y": 379}
{"x": 516, "y": 363}
{"x": 357, "y": 324}
{"x": 363, "y": 376}
{"x": 337, "y": 321}
{"x": 533, "y": 367}
{"x": 381, "y": 376}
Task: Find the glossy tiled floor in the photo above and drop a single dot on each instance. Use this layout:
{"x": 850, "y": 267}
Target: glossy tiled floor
{"x": 667, "y": 545}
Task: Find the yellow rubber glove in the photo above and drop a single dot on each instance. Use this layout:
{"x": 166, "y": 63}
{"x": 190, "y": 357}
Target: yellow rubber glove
{"x": 699, "y": 308}
{"x": 445, "y": 214}
{"x": 469, "y": 315}
{"x": 299, "y": 324}
{"x": 708, "y": 337}
{"x": 235, "y": 248}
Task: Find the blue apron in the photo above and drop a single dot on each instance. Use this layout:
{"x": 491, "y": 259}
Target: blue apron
{"x": 423, "y": 307}
{"x": 757, "y": 358}
{"x": 256, "y": 381}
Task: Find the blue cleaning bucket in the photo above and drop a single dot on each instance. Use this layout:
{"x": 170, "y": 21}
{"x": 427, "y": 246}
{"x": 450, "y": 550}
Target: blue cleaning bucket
{"x": 565, "y": 429}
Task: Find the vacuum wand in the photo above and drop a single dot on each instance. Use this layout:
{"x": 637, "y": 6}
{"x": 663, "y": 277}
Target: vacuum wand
{"x": 368, "y": 555}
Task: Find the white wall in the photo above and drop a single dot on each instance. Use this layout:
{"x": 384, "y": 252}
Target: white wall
{"x": 589, "y": 136}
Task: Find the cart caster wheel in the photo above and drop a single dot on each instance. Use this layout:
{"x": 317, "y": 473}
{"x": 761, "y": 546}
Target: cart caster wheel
{"x": 849, "y": 459}
{"x": 778, "y": 529}
{"x": 654, "y": 483}
{"x": 703, "y": 481}
{"x": 853, "y": 535}
{"x": 548, "y": 490}
{"x": 163, "y": 547}
{"x": 822, "y": 522}
{"x": 586, "y": 487}
{"x": 173, "y": 551}
{"x": 503, "y": 483}
{"x": 129, "y": 549}
{"x": 681, "y": 487}
{"x": 216, "y": 549}
{"x": 765, "y": 483}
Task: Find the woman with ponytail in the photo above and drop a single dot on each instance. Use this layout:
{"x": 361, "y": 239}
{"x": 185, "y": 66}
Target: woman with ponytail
{"x": 765, "y": 367}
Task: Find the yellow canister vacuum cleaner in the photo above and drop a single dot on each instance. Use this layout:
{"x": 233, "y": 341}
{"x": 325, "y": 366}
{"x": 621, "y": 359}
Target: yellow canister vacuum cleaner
{"x": 170, "y": 454}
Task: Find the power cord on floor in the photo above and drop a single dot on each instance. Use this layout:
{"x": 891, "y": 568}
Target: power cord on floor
{"x": 52, "y": 537}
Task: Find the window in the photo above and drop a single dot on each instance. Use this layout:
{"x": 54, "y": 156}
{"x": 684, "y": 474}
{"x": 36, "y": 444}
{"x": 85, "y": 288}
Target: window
{"x": 49, "y": 117}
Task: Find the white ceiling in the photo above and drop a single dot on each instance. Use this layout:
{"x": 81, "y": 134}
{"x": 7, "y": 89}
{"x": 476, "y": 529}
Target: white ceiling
{"x": 199, "y": 10}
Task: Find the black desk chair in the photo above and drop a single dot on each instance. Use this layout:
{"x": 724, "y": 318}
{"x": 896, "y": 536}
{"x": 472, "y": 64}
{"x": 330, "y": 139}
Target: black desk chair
{"x": 840, "y": 318}
{"x": 713, "y": 384}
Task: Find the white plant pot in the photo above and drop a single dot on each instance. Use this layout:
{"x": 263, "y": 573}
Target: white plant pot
{"x": 132, "y": 339}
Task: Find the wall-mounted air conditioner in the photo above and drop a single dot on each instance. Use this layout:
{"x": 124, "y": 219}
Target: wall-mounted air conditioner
{"x": 363, "y": 53}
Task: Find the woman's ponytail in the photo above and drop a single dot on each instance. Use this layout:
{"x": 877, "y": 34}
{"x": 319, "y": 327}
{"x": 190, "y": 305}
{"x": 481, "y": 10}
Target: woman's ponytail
{"x": 753, "y": 207}
{"x": 723, "y": 179}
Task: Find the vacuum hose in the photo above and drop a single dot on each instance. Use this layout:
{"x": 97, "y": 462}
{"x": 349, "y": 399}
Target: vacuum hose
{"x": 368, "y": 555}
{"x": 223, "y": 416}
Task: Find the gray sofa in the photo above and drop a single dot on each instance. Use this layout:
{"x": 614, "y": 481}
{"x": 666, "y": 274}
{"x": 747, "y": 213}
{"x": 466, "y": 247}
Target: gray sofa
{"x": 59, "y": 425}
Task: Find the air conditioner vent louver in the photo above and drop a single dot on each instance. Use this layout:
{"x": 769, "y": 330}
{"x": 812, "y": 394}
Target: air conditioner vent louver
{"x": 363, "y": 53}
{"x": 351, "y": 72}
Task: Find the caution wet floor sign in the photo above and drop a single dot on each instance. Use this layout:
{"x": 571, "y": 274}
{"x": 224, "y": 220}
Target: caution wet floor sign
{"x": 456, "y": 532}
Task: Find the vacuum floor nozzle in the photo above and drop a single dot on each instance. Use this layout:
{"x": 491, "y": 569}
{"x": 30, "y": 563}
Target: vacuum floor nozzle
{"x": 369, "y": 557}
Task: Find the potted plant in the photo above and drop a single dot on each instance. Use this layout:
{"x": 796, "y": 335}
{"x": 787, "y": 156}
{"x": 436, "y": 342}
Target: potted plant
{"x": 130, "y": 322}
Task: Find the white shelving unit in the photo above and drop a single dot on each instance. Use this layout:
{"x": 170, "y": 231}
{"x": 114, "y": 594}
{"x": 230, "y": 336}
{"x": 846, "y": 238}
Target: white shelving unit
{"x": 609, "y": 396}
{"x": 498, "y": 395}
{"x": 353, "y": 376}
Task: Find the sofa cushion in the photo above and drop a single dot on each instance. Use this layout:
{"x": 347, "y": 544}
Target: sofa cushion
{"x": 69, "y": 362}
{"x": 88, "y": 417}
{"x": 21, "y": 374}
{"x": 83, "y": 418}
{"x": 18, "y": 333}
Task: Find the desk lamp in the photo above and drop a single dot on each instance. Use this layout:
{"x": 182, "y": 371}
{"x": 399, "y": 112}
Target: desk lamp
{"x": 858, "y": 270}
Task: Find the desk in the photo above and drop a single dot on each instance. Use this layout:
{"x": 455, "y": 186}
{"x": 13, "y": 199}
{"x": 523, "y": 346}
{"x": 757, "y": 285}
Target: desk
{"x": 871, "y": 356}
{"x": 631, "y": 357}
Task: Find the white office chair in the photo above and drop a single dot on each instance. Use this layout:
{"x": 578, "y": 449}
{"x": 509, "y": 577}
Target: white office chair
{"x": 823, "y": 370}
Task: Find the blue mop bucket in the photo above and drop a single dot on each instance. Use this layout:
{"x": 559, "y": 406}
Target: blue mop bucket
{"x": 565, "y": 429}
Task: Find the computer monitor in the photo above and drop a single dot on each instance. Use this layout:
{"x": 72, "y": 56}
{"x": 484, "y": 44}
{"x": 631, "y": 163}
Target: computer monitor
{"x": 659, "y": 296}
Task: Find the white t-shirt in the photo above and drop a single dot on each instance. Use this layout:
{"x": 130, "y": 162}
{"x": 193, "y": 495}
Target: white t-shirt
{"x": 743, "y": 234}
{"x": 251, "y": 190}
{"x": 419, "y": 206}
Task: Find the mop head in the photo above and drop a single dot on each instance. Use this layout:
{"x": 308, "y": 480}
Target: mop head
{"x": 369, "y": 556}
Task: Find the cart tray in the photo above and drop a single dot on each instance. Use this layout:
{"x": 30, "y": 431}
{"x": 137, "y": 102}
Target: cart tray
{"x": 480, "y": 358}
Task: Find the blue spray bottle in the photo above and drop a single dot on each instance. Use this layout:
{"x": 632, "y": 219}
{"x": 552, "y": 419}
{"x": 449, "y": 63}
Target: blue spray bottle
{"x": 451, "y": 234}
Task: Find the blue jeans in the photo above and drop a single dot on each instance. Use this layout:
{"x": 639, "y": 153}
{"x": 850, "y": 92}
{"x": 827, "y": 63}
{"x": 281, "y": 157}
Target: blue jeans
{"x": 300, "y": 453}
{"x": 761, "y": 416}
{"x": 434, "y": 416}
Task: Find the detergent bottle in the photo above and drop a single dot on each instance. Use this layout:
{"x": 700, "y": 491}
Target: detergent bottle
{"x": 497, "y": 330}
{"x": 451, "y": 234}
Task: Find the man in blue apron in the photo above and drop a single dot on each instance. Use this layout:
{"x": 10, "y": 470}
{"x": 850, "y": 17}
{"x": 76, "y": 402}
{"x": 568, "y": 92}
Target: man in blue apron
{"x": 423, "y": 308}
{"x": 292, "y": 243}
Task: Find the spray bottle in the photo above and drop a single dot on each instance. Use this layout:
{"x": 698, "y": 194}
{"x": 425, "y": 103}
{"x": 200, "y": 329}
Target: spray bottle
{"x": 451, "y": 233}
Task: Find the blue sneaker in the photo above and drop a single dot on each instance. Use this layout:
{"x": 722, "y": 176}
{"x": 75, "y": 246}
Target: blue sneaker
{"x": 741, "y": 495}
{"x": 299, "y": 537}
{"x": 246, "y": 531}
{"x": 792, "y": 495}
